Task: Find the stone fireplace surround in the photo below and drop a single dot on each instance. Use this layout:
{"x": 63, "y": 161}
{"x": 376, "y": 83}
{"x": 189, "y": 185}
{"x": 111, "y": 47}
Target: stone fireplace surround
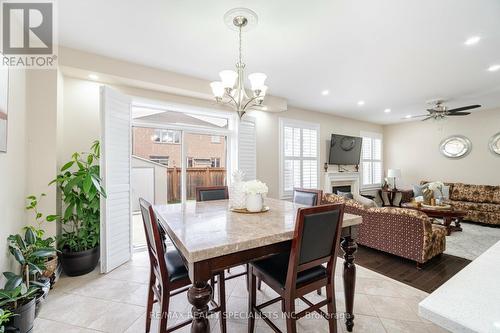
{"x": 336, "y": 178}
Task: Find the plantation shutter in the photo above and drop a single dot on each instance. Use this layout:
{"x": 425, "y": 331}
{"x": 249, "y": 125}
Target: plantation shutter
{"x": 116, "y": 212}
{"x": 371, "y": 159}
{"x": 247, "y": 148}
{"x": 299, "y": 142}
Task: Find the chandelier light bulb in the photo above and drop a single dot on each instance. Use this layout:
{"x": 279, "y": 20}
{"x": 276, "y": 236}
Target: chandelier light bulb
{"x": 228, "y": 78}
{"x": 217, "y": 89}
{"x": 257, "y": 80}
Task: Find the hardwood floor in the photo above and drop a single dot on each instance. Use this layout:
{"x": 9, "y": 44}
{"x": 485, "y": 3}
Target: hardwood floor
{"x": 433, "y": 274}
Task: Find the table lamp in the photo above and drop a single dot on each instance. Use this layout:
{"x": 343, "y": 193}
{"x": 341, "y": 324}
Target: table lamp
{"x": 394, "y": 173}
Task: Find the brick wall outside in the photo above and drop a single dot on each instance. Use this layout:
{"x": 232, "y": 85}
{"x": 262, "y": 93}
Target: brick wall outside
{"x": 199, "y": 146}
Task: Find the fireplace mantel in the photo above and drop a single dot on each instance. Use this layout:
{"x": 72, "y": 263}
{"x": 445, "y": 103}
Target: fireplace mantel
{"x": 341, "y": 178}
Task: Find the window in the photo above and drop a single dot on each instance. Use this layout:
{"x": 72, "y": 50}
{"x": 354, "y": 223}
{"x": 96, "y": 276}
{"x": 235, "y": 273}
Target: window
{"x": 371, "y": 160}
{"x": 299, "y": 155}
{"x": 215, "y": 162}
{"x": 215, "y": 139}
{"x": 167, "y": 136}
{"x": 159, "y": 159}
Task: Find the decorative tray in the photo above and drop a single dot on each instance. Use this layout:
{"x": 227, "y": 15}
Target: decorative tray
{"x": 437, "y": 207}
{"x": 245, "y": 211}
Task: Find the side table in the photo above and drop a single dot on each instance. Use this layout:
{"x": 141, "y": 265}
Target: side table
{"x": 406, "y": 196}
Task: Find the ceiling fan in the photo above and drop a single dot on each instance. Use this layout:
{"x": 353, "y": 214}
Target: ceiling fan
{"x": 440, "y": 111}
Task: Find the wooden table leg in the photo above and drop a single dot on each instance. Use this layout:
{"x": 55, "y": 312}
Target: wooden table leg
{"x": 349, "y": 247}
{"x": 198, "y": 296}
{"x": 447, "y": 224}
{"x": 458, "y": 227}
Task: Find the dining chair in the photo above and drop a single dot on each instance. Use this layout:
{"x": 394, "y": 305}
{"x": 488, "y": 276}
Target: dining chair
{"x": 168, "y": 275}
{"x": 209, "y": 193}
{"x": 308, "y": 197}
{"x": 296, "y": 273}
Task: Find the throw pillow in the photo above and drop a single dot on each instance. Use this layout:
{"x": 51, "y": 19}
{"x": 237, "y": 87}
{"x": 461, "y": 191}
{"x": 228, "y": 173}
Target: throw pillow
{"x": 446, "y": 193}
{"x": 418, "y": 190}
{"x": 347, "y": 195}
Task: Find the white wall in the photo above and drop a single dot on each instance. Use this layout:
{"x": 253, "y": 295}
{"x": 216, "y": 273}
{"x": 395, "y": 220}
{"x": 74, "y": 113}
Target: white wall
{"x": 414, "y": 148}
{"x": 13, "y": 168}
{"x": 42, "y": 132}
{"x": 267, "y": 125}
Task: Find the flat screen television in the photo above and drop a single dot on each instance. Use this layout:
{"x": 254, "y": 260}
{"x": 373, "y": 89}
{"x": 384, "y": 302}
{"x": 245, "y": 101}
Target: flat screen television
{"x": 345, "y": 150}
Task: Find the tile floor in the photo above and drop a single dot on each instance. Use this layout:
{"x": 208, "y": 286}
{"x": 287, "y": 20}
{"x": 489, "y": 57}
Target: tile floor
{"x": 116, "y": 303}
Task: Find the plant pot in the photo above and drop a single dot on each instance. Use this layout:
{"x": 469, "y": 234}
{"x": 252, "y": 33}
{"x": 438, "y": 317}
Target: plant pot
{"x": 42, "y": 295}
{"x": 50, "y": 267}
{"x": 24, "y": 317}
{"x": 79, "y": 263}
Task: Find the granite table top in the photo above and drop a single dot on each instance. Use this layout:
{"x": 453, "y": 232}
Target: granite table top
{"x": 204, "y": 230}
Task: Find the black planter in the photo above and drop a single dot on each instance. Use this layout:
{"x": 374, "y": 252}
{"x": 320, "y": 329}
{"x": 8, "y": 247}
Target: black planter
{"x": 40, "y": 298}
{"x": 79, "y": 263}
{"x": 24, "y": 317}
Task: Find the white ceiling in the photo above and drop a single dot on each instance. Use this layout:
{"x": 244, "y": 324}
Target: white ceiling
{"x": 389, "y": 53}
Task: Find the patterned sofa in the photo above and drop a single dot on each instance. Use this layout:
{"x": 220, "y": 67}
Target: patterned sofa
{"x": 481, "y": 202}
{"x": 407, "y": 233}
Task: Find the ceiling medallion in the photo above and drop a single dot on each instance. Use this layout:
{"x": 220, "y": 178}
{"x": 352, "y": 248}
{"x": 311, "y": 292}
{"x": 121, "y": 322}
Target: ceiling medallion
{"x": 231, "y": 89}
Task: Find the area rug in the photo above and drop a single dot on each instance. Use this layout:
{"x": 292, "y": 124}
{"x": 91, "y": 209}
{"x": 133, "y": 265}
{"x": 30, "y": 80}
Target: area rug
{"x": 433, "y": 274}
{"x": 472, "y": 241}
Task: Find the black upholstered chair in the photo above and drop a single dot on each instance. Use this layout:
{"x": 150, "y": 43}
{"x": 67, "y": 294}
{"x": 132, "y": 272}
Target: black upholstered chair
{"x": 208, "y": 193}
{"x": 308, "y": 197}
{"x": 168, "y": 275}
{"x": 299, "y": 272}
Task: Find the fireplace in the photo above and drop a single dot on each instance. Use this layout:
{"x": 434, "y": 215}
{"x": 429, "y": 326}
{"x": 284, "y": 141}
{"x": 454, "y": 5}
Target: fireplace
{"x": 341, "y": 181}
{"x": 342, "y": 188}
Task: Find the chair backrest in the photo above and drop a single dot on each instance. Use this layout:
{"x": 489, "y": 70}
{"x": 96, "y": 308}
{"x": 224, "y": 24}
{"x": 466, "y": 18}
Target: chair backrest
{"x": 155, "y": 238}
{"x": 208, "y": 193}
{"x": 308, "y": 197}
{"x": 316, "y": 239}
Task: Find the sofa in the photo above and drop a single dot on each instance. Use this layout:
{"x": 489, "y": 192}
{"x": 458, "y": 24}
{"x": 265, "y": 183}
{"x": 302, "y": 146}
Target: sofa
{"x": 407, "y": 233}
{"x": 481, "y": 202}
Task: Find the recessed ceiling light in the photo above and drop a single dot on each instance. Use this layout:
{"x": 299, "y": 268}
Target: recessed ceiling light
{"x": 408, "y": 116}
{"x": 361, "y": 103}
{"x": 494, "y": 68}
{"x": 93, "y": 77}
{"x": 325, "y": 92}
{"x": 387, "y": 110}
{"x": 472, "y": 40}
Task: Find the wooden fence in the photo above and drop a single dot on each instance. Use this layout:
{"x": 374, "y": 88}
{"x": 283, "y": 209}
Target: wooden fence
{"x": 194, "y": 177}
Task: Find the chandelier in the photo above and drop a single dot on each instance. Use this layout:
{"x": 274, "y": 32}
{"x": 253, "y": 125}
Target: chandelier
{"x": 230, "y": 90}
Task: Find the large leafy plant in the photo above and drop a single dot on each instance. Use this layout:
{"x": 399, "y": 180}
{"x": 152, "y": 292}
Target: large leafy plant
{"x": 81, "y": 189}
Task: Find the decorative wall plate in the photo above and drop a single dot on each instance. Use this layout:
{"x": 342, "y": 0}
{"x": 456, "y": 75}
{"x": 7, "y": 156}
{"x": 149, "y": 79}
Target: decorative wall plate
{"x": 494, "y": 144}
{"x": 455, "y": 146}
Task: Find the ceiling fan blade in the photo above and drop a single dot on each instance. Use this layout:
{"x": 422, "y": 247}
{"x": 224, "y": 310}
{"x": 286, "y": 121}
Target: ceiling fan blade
{"x": 458, "y": 114}
{"x": 427, "y": 118}
{"x": 463, "y": 108}
{"x": 422, "y": 115}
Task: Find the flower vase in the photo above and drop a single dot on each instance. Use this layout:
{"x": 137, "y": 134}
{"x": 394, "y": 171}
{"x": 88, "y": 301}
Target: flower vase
{"x": 254, "y": 202}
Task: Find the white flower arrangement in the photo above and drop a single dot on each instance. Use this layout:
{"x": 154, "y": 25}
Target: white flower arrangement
{"x": 256, "y": 187}
{"x": 436, "y": 186}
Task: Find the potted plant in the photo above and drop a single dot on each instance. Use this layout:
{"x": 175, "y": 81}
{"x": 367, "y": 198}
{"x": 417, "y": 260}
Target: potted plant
{"x": 19, "y": 300}
{"x": 31, "y": 254}
{"x": 5, "y": 319}
{"x": 80, "y": 185}
{"x": 255, "y": 191}
{"x": 49, "y": 263}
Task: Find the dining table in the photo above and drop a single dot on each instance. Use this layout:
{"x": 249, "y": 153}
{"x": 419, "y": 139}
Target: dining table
{"x": 210, "y": 238}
